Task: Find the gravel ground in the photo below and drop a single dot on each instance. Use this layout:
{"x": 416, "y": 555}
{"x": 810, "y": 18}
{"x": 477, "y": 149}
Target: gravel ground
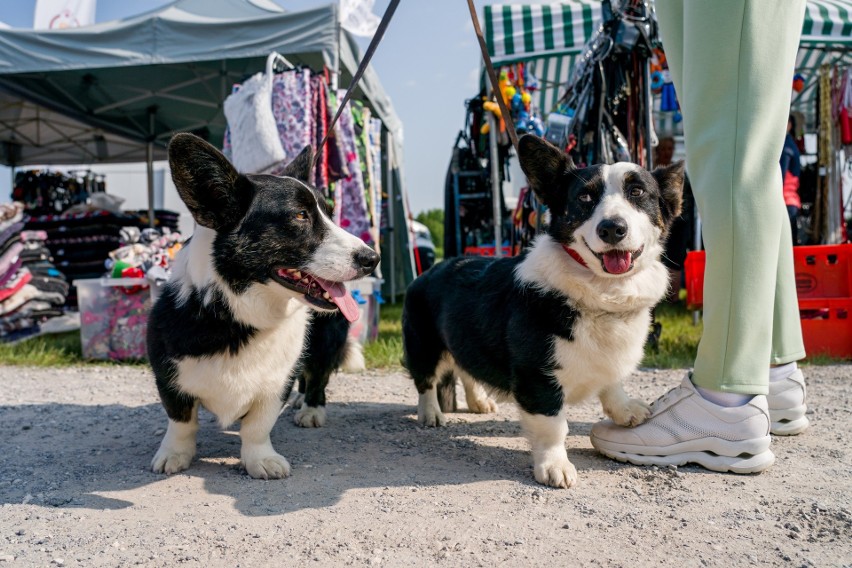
{"x": 373, "y": 488}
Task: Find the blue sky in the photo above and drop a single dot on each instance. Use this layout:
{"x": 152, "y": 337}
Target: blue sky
{"x": 428, "y": 64}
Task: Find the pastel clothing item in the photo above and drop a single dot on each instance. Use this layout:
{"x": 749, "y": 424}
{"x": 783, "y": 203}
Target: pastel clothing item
{"x": 731, "y": 64}
{"x": 12, "y": 231}
{"x": 12, "y": 255}
{"x": 350, "y": 195}
{"x": 10, "y": 211}
{"x": 12, "y": 270}
{"x": 13, "y": 286}
{"x": 17, "y": 300}
{"x": 33, "y": 236}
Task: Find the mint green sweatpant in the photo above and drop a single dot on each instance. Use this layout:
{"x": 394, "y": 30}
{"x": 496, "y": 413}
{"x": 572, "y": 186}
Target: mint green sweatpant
{"x": 732, "y": 65}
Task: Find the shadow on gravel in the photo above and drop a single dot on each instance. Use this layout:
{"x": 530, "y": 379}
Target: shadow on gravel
{"x": 74, "y": 456}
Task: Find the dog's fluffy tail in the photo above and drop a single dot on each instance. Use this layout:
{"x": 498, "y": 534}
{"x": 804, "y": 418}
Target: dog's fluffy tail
{"x": 353, "y": 358}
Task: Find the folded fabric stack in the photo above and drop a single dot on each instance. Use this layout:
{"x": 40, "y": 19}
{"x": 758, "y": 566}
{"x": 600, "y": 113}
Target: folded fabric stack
{"x": 163, "y": 219}
{"x": 80, "y": 243}
{"x": 147, "y": 253}
{"x": 32, "y": 290}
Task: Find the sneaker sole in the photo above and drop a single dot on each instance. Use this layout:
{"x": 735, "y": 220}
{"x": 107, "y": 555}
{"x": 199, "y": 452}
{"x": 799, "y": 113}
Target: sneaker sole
{"x": 713, "y": 462}
{"x": 790, "y": 427}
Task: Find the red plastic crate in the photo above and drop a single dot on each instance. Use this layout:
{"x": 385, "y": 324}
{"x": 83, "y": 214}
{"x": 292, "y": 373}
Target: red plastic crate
{"x": 827, "y": 326}
{"x": 694, "y": 271}
{"x": 823, "y": 271}
{"x": 824, "y": 288}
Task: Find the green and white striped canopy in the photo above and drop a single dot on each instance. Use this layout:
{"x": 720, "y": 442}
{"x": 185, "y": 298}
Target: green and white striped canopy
{"x": 826, "y": 39}
{"x": 548, "y": 36}
{"x": 551, "y": 36}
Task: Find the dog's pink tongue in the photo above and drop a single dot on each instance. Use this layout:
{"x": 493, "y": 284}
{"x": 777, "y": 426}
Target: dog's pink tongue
{"x": 341, "y": 297}
{"x": 617, "y": 261}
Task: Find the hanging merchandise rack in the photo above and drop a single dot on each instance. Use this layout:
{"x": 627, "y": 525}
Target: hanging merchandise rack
{"x": 605, "y": 115}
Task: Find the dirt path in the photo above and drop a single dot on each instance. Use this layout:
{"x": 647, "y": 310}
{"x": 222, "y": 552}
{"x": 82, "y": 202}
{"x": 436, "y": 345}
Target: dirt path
{"x": 372, "y": 488}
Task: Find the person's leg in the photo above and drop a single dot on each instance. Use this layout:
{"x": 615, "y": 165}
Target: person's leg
{"x": 731, "y": 62}
{"x": 787, "y": 390}
{"x": 738, "y": 60}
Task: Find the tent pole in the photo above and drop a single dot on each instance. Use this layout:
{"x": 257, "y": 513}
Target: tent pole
{"x": 335, "y": 76}
{"x": 649, "y": 116}
{"x": 391, "y": 233}
{"x": 495, "y": 184}
{"x": 149, "y": 159}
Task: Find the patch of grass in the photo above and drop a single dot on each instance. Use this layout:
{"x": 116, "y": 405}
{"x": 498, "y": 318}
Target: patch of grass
{"x": 386, "y": 351}
{"x": 57, "y": 350}
{"x": 678, "y": 339}
{"x": 678, "y": 344}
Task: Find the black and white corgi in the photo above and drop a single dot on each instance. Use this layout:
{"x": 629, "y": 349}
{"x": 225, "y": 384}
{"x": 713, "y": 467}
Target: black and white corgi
{"x": 564, "y": 321}
{"x": 229, "y": 328}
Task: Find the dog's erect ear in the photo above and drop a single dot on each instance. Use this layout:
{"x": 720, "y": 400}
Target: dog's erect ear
{"x": 206, "y": 181}
{"x": 300, "y": 167}
{"x": 670, "y": 179}
{"x": 543, "y": 163}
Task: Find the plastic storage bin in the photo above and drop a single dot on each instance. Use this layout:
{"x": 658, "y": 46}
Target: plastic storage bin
{"x": 113, "y": 317}
{"x": 368, "y": 295}
{"x": 824, "y": 288}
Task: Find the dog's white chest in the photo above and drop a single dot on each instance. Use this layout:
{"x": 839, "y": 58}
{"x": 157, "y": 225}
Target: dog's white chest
{"x": 606, "y": 347}
{"x": 227, "y": 385}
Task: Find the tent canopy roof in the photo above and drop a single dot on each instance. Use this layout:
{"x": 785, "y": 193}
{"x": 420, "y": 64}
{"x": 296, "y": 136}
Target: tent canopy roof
{"x": 165, "y": 71}
{"x": 553, "y": 35}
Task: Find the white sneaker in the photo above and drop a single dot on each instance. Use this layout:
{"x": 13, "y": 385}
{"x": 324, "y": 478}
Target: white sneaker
{"x": 686, "y": 428}
{"x": 787, "y": 405}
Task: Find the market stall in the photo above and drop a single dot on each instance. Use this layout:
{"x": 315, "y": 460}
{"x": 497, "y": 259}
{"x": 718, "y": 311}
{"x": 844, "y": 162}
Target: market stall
{"x": 135, "y": 82}
{"x": 563, "y": 57}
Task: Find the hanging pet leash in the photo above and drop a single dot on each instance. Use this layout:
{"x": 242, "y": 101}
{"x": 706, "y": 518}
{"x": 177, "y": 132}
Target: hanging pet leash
{"x": 365, "y": 61}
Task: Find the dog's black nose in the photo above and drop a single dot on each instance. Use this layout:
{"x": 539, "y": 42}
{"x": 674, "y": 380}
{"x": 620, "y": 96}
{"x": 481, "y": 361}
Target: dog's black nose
{"x": 612, "y": 231}
{"x": 366, "y": 259}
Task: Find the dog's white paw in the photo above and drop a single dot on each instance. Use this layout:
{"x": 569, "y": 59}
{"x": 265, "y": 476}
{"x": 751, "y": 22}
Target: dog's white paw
{"x": 268, "y": 466}
{"x": 428, "y": 411}
{"x": 432, "y": 418}
{"x": 310, "y": 417}
{"x": 557, "y": 472}
{"x": 483, "y": 405}
{"x": 633, "y": 413}
{"x": 168, "y": 461}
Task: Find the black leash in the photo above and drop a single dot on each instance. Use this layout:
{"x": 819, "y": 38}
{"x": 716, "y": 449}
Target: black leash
{"x": 371, "y": 49}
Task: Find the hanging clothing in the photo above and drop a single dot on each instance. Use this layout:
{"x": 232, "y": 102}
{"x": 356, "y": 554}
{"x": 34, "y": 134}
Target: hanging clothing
{"x": 352, "y": 204}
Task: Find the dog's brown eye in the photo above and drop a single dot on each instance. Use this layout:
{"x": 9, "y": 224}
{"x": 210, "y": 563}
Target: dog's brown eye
{"x": 585, "y": 197}
{"x": 302, "y": 215}
{"x": 636, "y": 191}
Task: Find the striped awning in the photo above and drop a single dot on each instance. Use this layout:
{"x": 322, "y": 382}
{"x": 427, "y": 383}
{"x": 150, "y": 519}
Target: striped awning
{"x": 828, "y": 22}
{"x": 548, "y": 37}
{"x": 826, "y": 39}
{"x": 516, "y": 32}
{"x": 551, "y": 36}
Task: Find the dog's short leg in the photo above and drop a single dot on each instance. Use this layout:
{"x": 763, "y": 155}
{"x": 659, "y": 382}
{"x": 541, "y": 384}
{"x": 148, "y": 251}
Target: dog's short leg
{"x": 547, "y": 438}
{"x": 178, "y": 446}
{"x": 428, "y": 411}
{"x": 477, "y": 399}
{"x": 312, "y": 411}
{"x": 623, "y": 410}
{"x": 258, "y": 456}
{"x": 310, "y": 416}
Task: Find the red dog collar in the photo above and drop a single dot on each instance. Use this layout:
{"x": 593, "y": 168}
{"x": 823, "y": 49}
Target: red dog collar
{"x": 575, "y": 255}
